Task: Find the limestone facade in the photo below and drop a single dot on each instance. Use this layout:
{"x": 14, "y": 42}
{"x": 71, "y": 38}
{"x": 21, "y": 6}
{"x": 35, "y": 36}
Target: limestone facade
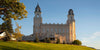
{"x": 64, "y": 32}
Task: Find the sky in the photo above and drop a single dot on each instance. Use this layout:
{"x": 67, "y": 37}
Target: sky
{"x": 86, "y": 14}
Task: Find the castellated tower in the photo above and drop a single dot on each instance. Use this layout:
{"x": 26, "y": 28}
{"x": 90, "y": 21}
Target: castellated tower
{"x": 63, "y": 32}
{"x": 71, "y": 26}
{"x": 37, "y": 20}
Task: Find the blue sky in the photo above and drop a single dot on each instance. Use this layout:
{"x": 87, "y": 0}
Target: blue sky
{"x": 87, "y": 16}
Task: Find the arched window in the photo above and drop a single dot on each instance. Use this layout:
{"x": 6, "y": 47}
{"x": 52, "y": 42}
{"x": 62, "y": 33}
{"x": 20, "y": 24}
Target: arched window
{"x": 70, "y": 17}
{"x": 37, "y": 15}
{"x": 37, "y": 9}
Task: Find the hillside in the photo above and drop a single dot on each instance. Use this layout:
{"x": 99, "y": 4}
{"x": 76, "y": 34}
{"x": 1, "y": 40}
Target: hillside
{"x": 39, "y": 46}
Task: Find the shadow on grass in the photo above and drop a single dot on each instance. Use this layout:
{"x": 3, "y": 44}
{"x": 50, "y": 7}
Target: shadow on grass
{"x": 7, "y": 48}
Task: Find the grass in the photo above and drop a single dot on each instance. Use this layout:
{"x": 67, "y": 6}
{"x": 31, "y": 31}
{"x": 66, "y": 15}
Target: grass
{"x": 39, "y": 46}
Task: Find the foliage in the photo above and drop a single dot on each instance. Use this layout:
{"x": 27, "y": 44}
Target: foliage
{"x": 3, "y": 27}
{"x": 9, "y": 26}
{"x": 76, "y": 42}
{"x": 64, "y": 42}
{"x": 0, "y": 27}
{"x": 7, "y": 37}
{"x": 48, "y": 40}
{"x": 12, "y": 9}
{"x": 45, "y": 40}
{"x": 58, "y": 41}
{"x": 17, "y": 33}
{"x": 39, "y": 46}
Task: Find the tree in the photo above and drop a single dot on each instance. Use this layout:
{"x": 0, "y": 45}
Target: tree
{"x": 7, "y": 37}
{"x": 58, "y": 41}
{"x": 3, "y": 27}
{"x": 12, "y": 9}
{"x": 64, "y": 42}
{"x": 48, "y": 40}
{"x": 76, "y": 42}
{"x": 45, "y": 40}
{"x": 36, "y": 39}
{"x": 0, "y": 27}
{"x": 9, "y": 26}
{"x": 17, "y": 33}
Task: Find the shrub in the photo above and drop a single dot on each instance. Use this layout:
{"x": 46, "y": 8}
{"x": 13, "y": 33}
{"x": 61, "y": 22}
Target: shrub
{"x": 45, "y": 40}
{"x": 48, "y": 40}
{"x": 58, "y": 41}
{"x": 76, "y": 42}
{"x": 63, "y": 42}
{"x": 19, "y": 40}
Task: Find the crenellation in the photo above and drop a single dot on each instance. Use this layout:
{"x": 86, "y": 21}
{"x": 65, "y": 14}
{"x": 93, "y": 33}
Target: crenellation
{"x": 64, "y": 32}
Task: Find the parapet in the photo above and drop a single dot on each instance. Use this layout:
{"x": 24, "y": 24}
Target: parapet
{"x": 53, "y": 24}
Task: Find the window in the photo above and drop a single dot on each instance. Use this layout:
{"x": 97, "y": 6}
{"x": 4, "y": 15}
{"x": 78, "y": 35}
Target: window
{"x": 59, "y": 30}
{"x": 39, "y": 24}
{"x": 63, "y": 30}
{"x": 43, "y": 29}
{"x": 67, "y": 30}
{"x": 37, "y": 15}
{"x": 48, "y": 30}
{"x": 37, "y": 9}
{"x": 36, "y": 30}
{"x": 51, "y": 29}
{"x": 71, "y": 17}
{"x": 56, "y": 30}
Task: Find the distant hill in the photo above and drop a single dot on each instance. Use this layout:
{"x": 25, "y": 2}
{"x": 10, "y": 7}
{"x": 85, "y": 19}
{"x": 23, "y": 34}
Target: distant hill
{"x": 39, "y": 46}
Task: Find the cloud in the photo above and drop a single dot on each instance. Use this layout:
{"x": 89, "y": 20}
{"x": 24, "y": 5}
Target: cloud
{"x": 90, "y": 40}
{"x": 91, "y": 36}
{"x": 94, "y": 35}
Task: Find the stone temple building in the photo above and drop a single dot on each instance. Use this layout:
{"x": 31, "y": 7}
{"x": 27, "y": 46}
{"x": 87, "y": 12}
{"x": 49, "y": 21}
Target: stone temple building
{"x": 63, "y": 32}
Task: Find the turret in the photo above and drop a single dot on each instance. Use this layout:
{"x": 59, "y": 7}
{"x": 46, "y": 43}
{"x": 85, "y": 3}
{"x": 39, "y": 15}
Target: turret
{"x": 71, "y": 26}
{"x": 37, "y": 19}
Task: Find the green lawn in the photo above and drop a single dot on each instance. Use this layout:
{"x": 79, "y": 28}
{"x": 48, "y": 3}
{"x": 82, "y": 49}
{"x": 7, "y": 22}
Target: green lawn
{"x": 38, "y": 46}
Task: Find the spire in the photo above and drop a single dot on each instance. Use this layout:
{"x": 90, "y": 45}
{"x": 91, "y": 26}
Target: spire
{"x": 70, "y": 12}
{"x": 37, "y": 9}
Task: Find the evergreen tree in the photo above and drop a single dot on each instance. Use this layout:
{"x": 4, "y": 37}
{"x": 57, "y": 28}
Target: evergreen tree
{"x": 58, "y": 41}
{"x": 45, "y": 40}
{"x": 64, "y": 42}
{"x": 48, "y": 40}
{"x": 36, "y": 39}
